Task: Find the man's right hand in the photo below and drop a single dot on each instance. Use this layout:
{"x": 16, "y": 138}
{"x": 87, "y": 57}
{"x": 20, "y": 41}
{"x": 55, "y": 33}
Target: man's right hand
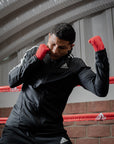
{"x": 41, "y": 52}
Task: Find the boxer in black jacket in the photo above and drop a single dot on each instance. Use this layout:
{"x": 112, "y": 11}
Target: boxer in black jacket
{"x": 48, "y": 74}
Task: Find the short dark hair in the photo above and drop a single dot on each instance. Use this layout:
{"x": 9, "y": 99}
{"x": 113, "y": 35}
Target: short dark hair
{"x": 64, "y": 31}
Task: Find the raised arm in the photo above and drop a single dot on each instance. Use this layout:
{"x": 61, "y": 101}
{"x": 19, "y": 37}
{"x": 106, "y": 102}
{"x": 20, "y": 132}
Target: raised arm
{"x": 98, "y": 82}
{"x": 23, "y": 71}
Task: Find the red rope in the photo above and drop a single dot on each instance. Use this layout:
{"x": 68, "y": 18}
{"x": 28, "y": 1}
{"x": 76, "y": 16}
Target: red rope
{"x": 111, "y": 80}
{"x": 3, "y": 120}
{"x": 79, "y": 117}
{"x": 87, "y": 117}
{"x": 8, "y": 89}
{"x": 18, "y": 88}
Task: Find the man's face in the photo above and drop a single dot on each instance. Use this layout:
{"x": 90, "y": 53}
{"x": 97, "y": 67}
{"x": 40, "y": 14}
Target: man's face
{"x": 58, "y": 47}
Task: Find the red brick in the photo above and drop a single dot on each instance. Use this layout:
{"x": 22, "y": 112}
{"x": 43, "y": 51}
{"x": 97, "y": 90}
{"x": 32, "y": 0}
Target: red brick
{"x": 107, "y": 141}
{"x": 112, "y": 105}
{"x": 1, "y": 129}
{"x": 1, "y": 132}
{"x": 2, "y": 126}
{"x": 106, "y": 122}
{"x": 4, "y": 112}
{"x": 98, "y": 131}
{"x": 112, "y": 130}
{"x": 74, "y": 132}
{"x": 86, "y": 122}
{"x": 75, "y": 108}
{"x": 99, "y": 106}
{"x": 68, "y": 123}
{"x": 87, "y": 141}
{"x": 73, "y": 141}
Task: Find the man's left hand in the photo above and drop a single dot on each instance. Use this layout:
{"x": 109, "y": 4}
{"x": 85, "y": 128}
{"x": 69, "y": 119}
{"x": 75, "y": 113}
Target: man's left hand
{"x": 97, "y": 43}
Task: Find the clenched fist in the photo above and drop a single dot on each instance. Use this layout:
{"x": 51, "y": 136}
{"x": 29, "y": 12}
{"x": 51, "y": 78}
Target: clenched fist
{"x": 41, "y": 52}
{"x": 97, "y": 43}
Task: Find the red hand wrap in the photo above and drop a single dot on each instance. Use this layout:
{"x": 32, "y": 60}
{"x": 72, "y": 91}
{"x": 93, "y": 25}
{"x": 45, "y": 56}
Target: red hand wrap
{"x": 97, "y": 43}
{"x": 41, "y": 52}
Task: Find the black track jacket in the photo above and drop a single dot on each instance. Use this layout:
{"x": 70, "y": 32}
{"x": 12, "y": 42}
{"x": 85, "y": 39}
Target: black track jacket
{"x": 47, "y": 85}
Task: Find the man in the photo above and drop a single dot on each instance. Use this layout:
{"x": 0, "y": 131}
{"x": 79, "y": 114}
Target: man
{"x": 48, "y": 74}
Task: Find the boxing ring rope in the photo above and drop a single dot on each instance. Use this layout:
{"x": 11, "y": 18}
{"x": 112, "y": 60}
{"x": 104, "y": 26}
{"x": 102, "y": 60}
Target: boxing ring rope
{"x": 79, "y": 117}
{"x": 89, "y": 117}
{"x": 18, "y": 88}
{"x": 67, "y": 118}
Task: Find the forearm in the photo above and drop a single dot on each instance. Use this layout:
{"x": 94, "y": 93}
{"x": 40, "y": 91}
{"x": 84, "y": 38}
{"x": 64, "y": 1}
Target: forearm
{"x": 30, "y": 63}
{"x": 102, "y": 67}
{"x": 102, "y": 73}
{"x": 97, "y": 83}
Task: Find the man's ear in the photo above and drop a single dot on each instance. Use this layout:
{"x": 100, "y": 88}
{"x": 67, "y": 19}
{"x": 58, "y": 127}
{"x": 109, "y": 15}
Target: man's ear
{"x": 72, "y": 45}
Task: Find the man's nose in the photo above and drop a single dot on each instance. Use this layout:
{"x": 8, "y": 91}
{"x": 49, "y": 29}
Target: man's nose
{"x": 55, "y": 49}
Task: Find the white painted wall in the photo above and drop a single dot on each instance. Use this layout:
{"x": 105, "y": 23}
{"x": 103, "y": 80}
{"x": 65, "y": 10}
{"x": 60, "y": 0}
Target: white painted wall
{"x": 5, "y": 67}
{"x": 79, "y": 94}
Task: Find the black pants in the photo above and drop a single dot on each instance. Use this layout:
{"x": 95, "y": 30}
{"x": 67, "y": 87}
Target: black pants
{"x": 19, "y": 136}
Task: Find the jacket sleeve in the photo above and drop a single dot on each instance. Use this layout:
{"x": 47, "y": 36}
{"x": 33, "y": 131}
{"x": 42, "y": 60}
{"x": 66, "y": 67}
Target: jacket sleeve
{"x": 22, "y": 72}
{"x": 98, "y": 82}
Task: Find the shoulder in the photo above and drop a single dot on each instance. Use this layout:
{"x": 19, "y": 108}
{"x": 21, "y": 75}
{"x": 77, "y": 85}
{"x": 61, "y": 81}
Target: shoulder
{"x": 30, "y": 52}
{"x": 76, "y": 64}
{"x": 77, "y": 61}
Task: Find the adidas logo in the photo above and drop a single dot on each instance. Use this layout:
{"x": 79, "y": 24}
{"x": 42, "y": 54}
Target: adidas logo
{"x": 64, "y": 66}
{"x": 63, "y": 140}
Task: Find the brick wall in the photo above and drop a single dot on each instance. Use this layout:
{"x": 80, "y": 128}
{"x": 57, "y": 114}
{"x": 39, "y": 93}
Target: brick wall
{"x": 90, "y": 132}
{"x": 84, "y": 132}
{"x": 4, "y": 112}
